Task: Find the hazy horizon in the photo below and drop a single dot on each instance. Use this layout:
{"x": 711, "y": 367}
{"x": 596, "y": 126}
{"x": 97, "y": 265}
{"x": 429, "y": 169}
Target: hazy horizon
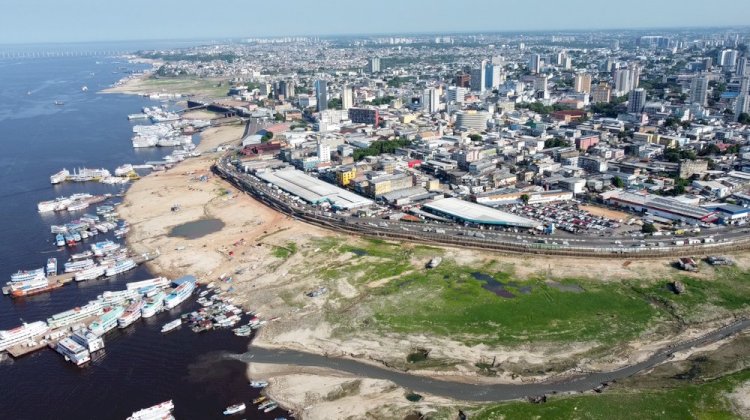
{"x": 81, "y": 21}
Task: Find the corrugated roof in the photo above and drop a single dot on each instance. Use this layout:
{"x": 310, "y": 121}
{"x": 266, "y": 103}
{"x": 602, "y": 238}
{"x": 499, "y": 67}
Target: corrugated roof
{"x": 477, "y": 213}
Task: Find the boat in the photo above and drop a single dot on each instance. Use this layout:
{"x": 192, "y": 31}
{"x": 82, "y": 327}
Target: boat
{"x": 161, "y": 282}
{"x": 108, "y": 321}
{"x": 51, "y": 266}
{"x": 153, "y": 305}
{"x": 78, "y": 265}
{"x": 271, "y": 408}
{"x": 259, "y": 399}
{"x": 120, "y": 267}
{"x": 234, "y": 409}
{"x": 33, "y": 287}
{"x": 258, "y": 384}
{"x": 179, "y": 294}
{"x": 90, "y": 273}
{"x": 70, "y": 240}
{"x": 84, "y": 88}
{"x": 75, "y": 315}
{"x": 266, "y": 404}
{"x": 132, "y": 314}
{"x": 105, "y": 247}
{"x": 119, "y": 297}
{"x": 89, "y": 340}
{"x": 79, "y": 205}
{"x": 59, "y": 177}
{"x": 59, "y": 103}
{"x": 26, "y": 275}
{"x": 158, "y": 411}
{"x": 22, "y": 334}
{"x": 60, "y": 239}
{"x": 81, "y": 255}
{"x": 73, "y": 351}
{"x": 77, "y": 237}
{"x": 169, "y": 326}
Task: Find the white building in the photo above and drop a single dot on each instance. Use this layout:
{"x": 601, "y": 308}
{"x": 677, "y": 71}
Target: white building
{"x": 324, "y": 152}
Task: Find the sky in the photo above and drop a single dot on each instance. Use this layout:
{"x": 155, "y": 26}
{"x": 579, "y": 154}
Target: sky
{"x": 44, "y": 21}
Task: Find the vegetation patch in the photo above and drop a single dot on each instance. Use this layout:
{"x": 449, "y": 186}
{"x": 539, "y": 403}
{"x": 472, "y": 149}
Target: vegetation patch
{"x": 284, "y": 252}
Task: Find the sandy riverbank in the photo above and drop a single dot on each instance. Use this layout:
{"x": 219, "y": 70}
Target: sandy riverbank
{"x": 244, "y": 248}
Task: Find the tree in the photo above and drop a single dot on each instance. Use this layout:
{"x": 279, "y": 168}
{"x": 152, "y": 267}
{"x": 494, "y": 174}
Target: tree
{"x": 525, "y": 198}
{"x": 334, "y": 103}
{"x": 266, "y": 137}
{"x": 475, "y": 137}
{"x": 556, "y": 142}
{"x": 744, "y": 118}
{"x": 279, "y": 117}
{"x": 648, "y": 228}
{"x": 617, "y": 182}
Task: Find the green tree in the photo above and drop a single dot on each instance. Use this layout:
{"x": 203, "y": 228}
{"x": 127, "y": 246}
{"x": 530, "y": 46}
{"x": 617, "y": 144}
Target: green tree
{"x": 556, "y": 142}
{"x": 266, "y": 137}
{"x": 525, "y": 198}
{"x": 744, "y": 118}
{"x": 475, "y": 137}
{"x": 617, "y": 182}
{"x": 334, "y": 103}
{"x": 648, "y": 228}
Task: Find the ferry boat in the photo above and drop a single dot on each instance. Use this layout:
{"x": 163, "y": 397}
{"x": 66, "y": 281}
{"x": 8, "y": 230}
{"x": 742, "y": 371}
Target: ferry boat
{"x": 108, "y": 321}
{"x": 77, "y": 237}
{"x": 120, "y": 267}
{"x": 60, "y": 239}
{"x": 55, "y": 229}
{"x": 119, "y": 297}
{"x": 82, "y": 255}
{"x": 26, "y": 275}
{"x": 271, "y": 408}
{"x": 34, "y": 287}
{"x": 52, "y": 205}
{"x": 59, "y": 177}
{"x": 169, "y": 326}
{"x": 73, "y": 351}
{"x": 259, "y": 384}
{"x": 75, "y": 315}
{"x": 159, "y": 411}
{"x": 89, "y": 340}
{"x": 234, "y": 409}
{"x": 179, "y": 294}
{"x": 21, "y": 334}
{"x": 105, "y": 247}
{"x": 78, "y": 265}
{"x": 70, "y": 240}
{"x": 90, "y": 273}
{"x": 80, "y": 205}
{"x": 161, "y": 282}
{"x": 132, "y": 314}
{"x": 51, "y": 266}
{"x": 153, "y": 305}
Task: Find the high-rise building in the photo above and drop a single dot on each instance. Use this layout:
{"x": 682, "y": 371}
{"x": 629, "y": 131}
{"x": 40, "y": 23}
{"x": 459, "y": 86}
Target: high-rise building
{"x": 373, "y": 65}
{"x": 463, "y": 80}
{"x": 347, "y": 97}
{"x": 364, "y": 116}
{"x": 431, "y": 100}
{"x": 601, "y": 93}
{"x": 494, "y": 76}
{"x": 540, "y": 86}
{"x": 286, "y": 88}
{"x": 456, "y": 94}
{"x": 622, "y": 82}
{"x": 582, "y": 83}
{"x": 727, "y": 58}
{"x": 324, "y": 152}
{"x": 742, "y": 67}
{"x": 742, "y": 104}
{"x": 472, "y": 120}
{"x": 321, "y": 94}
{"x": 479, "y": 77}
{"x": 637, "y": 100}
{"x": 635, "y": 76}
{"x": 535, "y": 63}
{"x": 699, "y": 90}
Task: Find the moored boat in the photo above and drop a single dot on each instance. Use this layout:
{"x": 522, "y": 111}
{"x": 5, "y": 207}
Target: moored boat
{"x": 234, "y": 409}
{"x": 51, "y": 266}
{"x": 169, "y": 326}
{"x": 132, "y": 313}
{"x": 153, "y": 305}
{"x": 158, "y": 411}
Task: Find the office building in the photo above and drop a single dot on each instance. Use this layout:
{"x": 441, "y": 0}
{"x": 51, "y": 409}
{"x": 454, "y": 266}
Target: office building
{"x": 601, "y": 93}
{"x": 540, "y": 86}
{"x": 636, "y": 100}
{"x": 622, "y": 82}
{"x": 582, "y": 83}
{"x": 479, "y": 77}
{"x": 742, "y": 67}
{"x": 287, "y": 89}
{"x": 535, "y": 63}
{"x": 347, "y": 97}
{"x": 373, "y": 65}
{"x": 472, "y": 120}
{"x": 431, "y": 100}
{"x": 727, "y": 58}
{"x": 456, "y": 94}
{"x": 635, "y": 76}
{"x": 699, "y": 90}
{"x": 742, "y": 104}
{"x": 321, "y": 94}
{"x": 364, "y": 116}
{"x": 494, "y": 76}
{"x": 463, "y": 80}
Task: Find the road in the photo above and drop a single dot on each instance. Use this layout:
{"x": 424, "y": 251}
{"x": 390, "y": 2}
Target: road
{"x": 481, "y": 392}
{"x": 510, "y": 240}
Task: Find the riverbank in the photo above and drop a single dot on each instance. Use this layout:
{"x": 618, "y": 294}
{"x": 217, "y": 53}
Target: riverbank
{"x": 275, "y": 261}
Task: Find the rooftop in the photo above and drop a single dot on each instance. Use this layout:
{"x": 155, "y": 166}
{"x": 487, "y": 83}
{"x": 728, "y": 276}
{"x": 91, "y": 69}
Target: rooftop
{"x": 313, "y": 190}
{"x": 477, "y": 213}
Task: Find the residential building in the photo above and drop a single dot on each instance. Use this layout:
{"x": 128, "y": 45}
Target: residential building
{"x": 582, "y": 83}
{"x": 472, "y": 120}
{"x": 479, "y": 77}
{"x": 373, "y": 65}
{"x": 601, "y": 93}
{"x": 364, "y": 116}
{"x": 321, "y": 94}
{"x": 535, "y": 63}
{"x": 699, "y": 90}
{"x": 636, "y": 100}
{"x": 347, "y": 97}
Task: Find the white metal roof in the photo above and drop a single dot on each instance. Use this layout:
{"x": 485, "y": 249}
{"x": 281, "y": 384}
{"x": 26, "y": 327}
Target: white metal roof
{"x": 313, "y": 190}
{"x": 477, "y": 213}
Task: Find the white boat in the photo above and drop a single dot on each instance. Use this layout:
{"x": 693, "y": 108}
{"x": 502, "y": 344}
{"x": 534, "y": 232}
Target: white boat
{"x": 234, "y": 409}
{"x": 108, "y": 321}
{"x": 88, "y": 339}
{"x": 75, "y": 315}
{"x": 82, "y": 255}
{"x": 22, "y": 334}
{"x": 120, "y": 267}
{"x": 161, "y": 282}
{"x": 78, "y": 265}
{"x": 79, "y": 205}
{"x": 52, "y": 205}
{"x": 179, "y": 294}
{"x": 105, "y": 247}
{"x": 169, "y": 326}
{"x": 73, "y": 351}
{"x": 26, "y": 275}
{"x": 51, "y": 266}
{"x": 157, "y": 412}
{"x": 132, "y": 313}
{"x": 153, "y": 305}
{"x": 59, "y": 177}
{"x": 118, "y": 297}
{"x": 90, "y": 273}
{"x": 258, "y": 384}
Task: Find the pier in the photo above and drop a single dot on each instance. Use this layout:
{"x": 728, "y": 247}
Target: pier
{"x": 48, "y": 339}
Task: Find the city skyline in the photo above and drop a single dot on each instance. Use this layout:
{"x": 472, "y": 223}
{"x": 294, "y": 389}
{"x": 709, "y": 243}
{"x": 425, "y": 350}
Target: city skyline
{"x": 171, "y": 20}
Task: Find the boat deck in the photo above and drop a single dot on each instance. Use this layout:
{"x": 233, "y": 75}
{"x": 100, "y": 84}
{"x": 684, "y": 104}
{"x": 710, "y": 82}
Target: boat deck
{"x": 21, "y": 350}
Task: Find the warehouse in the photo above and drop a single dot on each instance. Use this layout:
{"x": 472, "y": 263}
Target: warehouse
{"x": 467, "y": 212}
{"x": 313, "y": 190}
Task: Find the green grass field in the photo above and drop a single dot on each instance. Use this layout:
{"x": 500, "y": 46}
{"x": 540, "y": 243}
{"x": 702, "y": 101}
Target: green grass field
{"x": 185, "y": 85}
{"x": 690, "y": 401}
